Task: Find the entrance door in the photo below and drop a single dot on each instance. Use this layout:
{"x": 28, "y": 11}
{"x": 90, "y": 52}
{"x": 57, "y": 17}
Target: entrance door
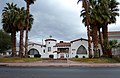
{"x": 62, "y": 55}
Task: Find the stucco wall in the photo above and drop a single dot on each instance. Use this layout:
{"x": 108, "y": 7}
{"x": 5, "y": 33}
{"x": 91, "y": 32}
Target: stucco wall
{"x": 75, "y": 45}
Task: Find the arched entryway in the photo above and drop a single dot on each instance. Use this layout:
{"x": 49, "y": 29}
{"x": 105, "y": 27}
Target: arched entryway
{"x": 81, "y": 50}
{"x": 34, "y": 52}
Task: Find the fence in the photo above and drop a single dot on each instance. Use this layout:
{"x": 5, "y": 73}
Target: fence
{"x": 116, "y": 51}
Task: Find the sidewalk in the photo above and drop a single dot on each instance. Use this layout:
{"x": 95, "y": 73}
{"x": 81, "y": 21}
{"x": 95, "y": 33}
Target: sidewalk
{"x": 68, "y": 64}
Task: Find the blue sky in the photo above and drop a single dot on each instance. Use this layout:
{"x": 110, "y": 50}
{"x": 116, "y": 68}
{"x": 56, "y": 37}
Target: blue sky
{"x": 59, "y": 18}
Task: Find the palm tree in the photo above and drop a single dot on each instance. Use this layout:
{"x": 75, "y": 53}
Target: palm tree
{"x": 85, "y": 5}
{"x": 21, "y": 17}
{"x": 110, "y": 13}
{"x": 9, "y": 23}
{"x": 94, "y": 20}
{"x": 28, "y": 3}
{"x": 21, "y": 22}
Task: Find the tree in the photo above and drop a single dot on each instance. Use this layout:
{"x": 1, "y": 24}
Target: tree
{"x": 94, "y": 21}
{"x": 101, "y": 13}
{"x": 21, "y": 22}
{"x": 113, "y": 43}
{"x": 85, "y": 5}
{"x": 21, "y": 17}
{"x": 110, "y": 13}
{"x": 9, "y": 23}
{"x": 5, "y": 41}
{"x": 28, "y": 3}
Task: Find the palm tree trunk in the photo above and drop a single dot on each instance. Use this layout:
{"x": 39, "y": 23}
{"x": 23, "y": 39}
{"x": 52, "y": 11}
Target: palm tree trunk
{"x": 89, "y": 41}
{"x": 26, "y": 39}
{"x": 13, "y": 37}
{"x": 21, "y": 42}
{"x": 106, "y": 42}
{"x": 105, "y": 39}
{"x": 88, "y": 28}
{"x": 95, "y": 40}
{"x": 101, "y": 40}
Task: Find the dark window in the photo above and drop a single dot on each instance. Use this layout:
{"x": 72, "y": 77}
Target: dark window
{"x": 81, "y": 50}
{"x": 49, "y": 49}
{"x": 33, "y": 52}
{"x": 44, "y": 50}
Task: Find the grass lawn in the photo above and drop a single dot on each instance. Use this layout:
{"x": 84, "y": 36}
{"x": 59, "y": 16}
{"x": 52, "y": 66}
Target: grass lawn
{"x": 84, "y": 60}
{"x": 94, "y": 60}
{"x": 18, "y": 60}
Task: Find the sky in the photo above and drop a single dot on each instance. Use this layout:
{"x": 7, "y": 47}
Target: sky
{"x": 58, "y": 18}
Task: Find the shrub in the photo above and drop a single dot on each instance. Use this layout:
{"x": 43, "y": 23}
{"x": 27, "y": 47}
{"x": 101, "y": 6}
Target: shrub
{"x": 37, "y": 55}
{"x": 76, "y": 56}
{"x": 83, "y": 56}
{"x": 51, "y": 56}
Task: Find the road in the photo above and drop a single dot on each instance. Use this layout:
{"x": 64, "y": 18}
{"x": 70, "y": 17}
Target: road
{"x": 59, "y": 72}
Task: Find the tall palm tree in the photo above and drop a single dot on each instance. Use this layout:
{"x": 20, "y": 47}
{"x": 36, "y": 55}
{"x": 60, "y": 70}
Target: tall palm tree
{"x": 9, "y": 23}
{"x": 101, "y": 13}
{"x": 21, "y": 17}
{"x": 110, "y": 13}
{"x": 21, "y": 22}
{"x": 28, "y": 3}
{"x": 85, "y": 5}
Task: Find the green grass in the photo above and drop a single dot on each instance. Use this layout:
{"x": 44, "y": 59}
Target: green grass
{"x": 18, "y": 60}
{"x": 84, "y": 60}
{"x": 94, "y": 60}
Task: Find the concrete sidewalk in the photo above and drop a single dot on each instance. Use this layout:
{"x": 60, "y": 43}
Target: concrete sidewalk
{"x": 68, "y": 64}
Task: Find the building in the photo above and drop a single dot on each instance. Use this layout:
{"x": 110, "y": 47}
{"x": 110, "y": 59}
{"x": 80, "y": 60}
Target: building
{"x": 114, "y": 35}
{"x": 54, "y": 49}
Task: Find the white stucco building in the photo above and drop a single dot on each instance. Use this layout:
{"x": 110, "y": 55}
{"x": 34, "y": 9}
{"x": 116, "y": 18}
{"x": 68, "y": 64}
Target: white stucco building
{"x": 53, "y": 49}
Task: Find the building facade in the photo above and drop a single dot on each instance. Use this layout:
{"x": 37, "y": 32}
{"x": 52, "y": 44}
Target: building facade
{"x": 53, "y": 49}
{"x": 114, "y": 35}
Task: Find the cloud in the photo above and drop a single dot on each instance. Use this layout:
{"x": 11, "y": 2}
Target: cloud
{"x": 59, "y": 18}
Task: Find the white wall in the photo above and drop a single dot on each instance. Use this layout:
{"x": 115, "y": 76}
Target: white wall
{"x": 40, "y": 49}
{"x": 50, "y": 44}
{"x": 75, "y": 45}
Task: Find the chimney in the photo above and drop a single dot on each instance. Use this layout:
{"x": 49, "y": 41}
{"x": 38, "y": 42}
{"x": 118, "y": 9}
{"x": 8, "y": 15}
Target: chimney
{"x": 61, "y": 41}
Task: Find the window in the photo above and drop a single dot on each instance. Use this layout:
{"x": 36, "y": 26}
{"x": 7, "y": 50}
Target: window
{"x": 49, "y": 42}
{"x": 33, "y": 52}
{"x": 73, "y": 49}
{"x": 44, "y": 50}
{"x": 81, "y": 50}
{"x": 49, "y": 49}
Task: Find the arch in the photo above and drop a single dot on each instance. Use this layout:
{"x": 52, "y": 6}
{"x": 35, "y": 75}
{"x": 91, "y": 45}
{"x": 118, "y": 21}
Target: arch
{"x": 81, "y": 50}
{"x": 33, "y": 51}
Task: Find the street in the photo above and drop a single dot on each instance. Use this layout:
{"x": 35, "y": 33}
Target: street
{"x": 59, "y": 72}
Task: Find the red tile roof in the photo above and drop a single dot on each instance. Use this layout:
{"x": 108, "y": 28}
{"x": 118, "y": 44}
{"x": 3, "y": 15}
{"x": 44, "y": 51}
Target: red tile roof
{"x": 113, "y": 32}
{"x": 62, "y": 44}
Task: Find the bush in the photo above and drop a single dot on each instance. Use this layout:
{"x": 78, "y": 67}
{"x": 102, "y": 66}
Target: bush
{"x": 51, "y": 56}
{"x": 37, "y": 55}
{"x": 83, "y": 56}
{"x": 76, "y": 56}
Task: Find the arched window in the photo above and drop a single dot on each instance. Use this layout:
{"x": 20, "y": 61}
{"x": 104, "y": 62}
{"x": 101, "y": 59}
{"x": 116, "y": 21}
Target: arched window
{"x": 33, "y": 52}
{"x": 81, "y": 50}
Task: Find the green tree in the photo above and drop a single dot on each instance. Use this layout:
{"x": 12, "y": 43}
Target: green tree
{"x": 85, "y": 5}
{"x": 110, "y": 12}
{"x": 113, "y": 43}
{"x": 100, "y": 14}
{"x": 94, "y": 20}
{"x": 21, "y": 23}
{"x": 28, "y": 3}
{"x": 5, "y": 41}
{"x": 9, "y": 23}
